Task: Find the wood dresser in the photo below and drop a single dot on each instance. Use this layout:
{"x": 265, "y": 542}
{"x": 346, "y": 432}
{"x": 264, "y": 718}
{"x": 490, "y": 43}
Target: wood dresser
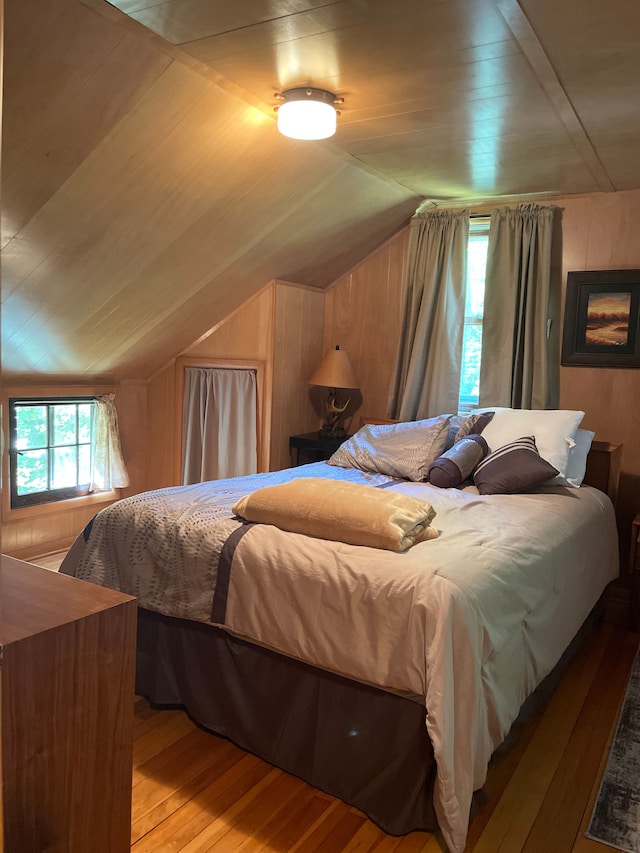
{"x": 67, "y": 668}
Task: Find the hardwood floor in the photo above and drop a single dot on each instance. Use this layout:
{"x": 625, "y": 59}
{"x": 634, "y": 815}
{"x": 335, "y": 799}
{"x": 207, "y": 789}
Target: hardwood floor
{"x": 49, "y": 561}
{"x": 195, "y": 792}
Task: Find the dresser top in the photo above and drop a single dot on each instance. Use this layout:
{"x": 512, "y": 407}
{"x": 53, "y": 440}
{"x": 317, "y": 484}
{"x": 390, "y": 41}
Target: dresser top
{"x": 33, "y": 600}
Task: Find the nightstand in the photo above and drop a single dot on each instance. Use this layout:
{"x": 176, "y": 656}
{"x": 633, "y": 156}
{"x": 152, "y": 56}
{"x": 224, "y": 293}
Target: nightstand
{"x": 312, "y": 447}
{"x": 634, "y": 570}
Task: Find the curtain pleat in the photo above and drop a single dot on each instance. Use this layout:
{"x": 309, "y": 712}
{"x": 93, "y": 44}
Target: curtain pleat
{"x": 108, "y": 470}
{"x": 219, "y": 424}
{"x": 518, "y": 366}
{"x": 426, "y": 379}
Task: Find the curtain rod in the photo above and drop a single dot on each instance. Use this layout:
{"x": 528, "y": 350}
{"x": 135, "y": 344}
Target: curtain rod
{"x": 31, "y": 401}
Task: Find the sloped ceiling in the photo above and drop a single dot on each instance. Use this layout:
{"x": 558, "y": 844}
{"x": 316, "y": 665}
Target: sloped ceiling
{"x": 146, "y": 192}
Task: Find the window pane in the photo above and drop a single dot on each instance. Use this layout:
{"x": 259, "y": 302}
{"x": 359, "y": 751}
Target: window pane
{"x": 84, "y": 421}
{"x": 65, "y": 470}
{"x": 31, "y": 426}
{"x": 84, "y": 466}
{"x": 474, "y": 307}
{"x": 476, "y": 270}
{"x": 59, "y": 429}
{"x": 470, "y": 375}
{"x": 64, "y": 424}
{"x": 31, "y": 471}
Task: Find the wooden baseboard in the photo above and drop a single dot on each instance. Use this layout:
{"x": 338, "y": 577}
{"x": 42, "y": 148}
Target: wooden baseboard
{"x": 41, "y": 550}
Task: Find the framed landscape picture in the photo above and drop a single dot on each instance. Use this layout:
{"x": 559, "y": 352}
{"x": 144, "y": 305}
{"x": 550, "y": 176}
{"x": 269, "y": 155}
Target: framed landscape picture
{"x": 601, "y": 319}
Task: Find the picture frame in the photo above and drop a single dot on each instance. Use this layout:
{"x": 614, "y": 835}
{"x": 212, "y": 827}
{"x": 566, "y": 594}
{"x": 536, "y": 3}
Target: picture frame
{"x": 602, "y": 319}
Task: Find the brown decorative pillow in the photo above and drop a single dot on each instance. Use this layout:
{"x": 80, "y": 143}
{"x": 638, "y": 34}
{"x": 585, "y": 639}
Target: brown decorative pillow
{"x": 514, "y": 468}
{"x": 458, "y": 463}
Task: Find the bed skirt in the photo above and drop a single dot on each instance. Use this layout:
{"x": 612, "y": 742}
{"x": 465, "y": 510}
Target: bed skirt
{"x": 361, "y": 744}
{"x": 368, "y": 747}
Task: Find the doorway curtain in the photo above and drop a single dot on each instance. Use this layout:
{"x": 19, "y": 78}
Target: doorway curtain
{"x": 219, "y": 431}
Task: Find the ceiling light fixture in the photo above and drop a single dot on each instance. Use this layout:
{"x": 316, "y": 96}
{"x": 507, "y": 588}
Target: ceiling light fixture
{"x": 307, "y": 113}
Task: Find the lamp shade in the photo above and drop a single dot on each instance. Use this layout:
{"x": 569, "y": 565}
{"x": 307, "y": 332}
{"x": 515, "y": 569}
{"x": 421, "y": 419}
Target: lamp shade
{"x": 334, "y": 371}
{"x": 307, "y": 113}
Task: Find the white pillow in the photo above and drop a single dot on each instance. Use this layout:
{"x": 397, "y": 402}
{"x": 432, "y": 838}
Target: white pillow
{"x": 554, "y": 431}
{"x": 577, "y": 464}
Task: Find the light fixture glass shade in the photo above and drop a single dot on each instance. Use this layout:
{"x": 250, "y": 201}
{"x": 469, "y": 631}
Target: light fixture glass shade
{"x": 334, "y": 371}
{"x": 307, "y": 114}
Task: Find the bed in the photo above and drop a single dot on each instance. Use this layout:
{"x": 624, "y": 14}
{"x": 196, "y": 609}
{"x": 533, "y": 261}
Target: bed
{"x": 387, "y": 679}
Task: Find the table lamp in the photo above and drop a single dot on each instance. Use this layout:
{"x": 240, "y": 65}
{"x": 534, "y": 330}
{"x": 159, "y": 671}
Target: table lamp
{"x": 334, "y": 372}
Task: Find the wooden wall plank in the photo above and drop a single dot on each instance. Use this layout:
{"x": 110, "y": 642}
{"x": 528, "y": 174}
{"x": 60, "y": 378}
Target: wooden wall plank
{"x": 161, "y": 414}
{"x": 297, "y": 352}
{"x": 246, "y": 334}
{"x": 600, "y": 232}
{"x": 362, "y": 315}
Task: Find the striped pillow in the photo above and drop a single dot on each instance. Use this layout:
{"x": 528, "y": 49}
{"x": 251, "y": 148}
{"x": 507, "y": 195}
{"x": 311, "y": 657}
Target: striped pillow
{"x": 513, "y": 468}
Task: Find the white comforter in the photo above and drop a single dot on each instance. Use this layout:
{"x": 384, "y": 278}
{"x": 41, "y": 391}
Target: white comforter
{"x": 470, "y": 622}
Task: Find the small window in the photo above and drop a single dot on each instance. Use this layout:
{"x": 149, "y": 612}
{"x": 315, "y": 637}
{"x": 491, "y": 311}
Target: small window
{"x": 50, "y": 451}
{"x": 472, "y": 340}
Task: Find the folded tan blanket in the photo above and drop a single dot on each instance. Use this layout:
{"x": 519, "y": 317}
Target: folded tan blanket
{"x": 341, "y": 511}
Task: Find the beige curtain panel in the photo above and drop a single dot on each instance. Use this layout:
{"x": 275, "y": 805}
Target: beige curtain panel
{"x": 426, "y": 380}
{"x": 519, "y": 365}
{"x": 219, "y": 424}
{"x": 108, "y": 470}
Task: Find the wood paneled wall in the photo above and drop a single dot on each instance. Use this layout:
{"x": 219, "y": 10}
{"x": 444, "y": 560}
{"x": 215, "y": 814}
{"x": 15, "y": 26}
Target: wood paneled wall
{"x": 603, "y": 232}
{"x": 362, "y": 316}
{"x": 282, "y": 327}
{"x": 161, "y": 406}
{"x": 245, "y": 334}
{"x": 297, "y": 352}
{"x": 131, "y": 404}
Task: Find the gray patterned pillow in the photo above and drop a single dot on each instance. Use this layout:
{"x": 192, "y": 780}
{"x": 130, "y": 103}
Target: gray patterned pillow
{"x": 404, "y": 450}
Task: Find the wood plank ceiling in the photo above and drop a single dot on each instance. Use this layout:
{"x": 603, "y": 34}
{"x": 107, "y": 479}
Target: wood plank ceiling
{"x": 146, "y": 191}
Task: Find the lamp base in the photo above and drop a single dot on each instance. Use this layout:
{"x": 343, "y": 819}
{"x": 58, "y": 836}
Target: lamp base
{"x": 332, "y": 427}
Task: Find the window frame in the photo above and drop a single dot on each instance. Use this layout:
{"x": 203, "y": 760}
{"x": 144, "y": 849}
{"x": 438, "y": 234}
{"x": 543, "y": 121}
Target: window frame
{"x": 48, "y": 496}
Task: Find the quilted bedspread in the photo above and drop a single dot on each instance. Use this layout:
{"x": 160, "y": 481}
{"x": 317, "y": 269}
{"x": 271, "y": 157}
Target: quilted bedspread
{"x": 469, "y": 622}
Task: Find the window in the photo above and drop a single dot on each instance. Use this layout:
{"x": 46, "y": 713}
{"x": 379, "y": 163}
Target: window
{"x": 50, "y": 449}
{"x": 472, "y": 340}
